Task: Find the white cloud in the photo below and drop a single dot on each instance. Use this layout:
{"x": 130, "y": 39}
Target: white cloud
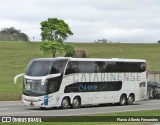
{"x": 115, "y": 20}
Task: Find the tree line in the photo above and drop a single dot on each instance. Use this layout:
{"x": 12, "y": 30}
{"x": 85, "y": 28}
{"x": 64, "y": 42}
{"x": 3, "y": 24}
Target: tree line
{"x": 12, "y": 34}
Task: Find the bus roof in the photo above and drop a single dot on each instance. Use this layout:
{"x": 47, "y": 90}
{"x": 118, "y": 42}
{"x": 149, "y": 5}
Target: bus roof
{"x": 92, "y": 59}
{"x": 113, "y": 59}
{"x": 51, "y": 59}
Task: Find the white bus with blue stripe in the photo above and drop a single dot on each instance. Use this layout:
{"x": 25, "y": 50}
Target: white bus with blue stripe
{"x": 71, "y": 82}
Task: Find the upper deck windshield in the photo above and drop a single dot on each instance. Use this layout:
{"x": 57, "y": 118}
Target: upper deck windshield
{"x": 39, "y": 68}
{"x": 45, "y": 67}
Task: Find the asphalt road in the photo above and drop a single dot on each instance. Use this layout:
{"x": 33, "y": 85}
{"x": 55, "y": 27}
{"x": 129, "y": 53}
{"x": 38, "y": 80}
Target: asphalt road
{"x": 16, "y": 108}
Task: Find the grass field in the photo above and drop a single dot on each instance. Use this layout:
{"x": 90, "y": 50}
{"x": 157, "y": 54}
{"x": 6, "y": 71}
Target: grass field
{"x": 101, "y": 120}
{"x": 14, "y": 57}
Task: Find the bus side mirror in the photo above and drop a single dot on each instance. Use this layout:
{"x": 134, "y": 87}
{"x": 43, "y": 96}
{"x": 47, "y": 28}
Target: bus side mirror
{"x": 16, "y": 77}
{"x": 48, "y": 77}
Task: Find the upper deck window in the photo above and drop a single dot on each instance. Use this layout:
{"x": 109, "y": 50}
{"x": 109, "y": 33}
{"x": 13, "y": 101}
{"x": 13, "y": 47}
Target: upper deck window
{"x": 39, "y": 68}
{"x": 45, "y": 67}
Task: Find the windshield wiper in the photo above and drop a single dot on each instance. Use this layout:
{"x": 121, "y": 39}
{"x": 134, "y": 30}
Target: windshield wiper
{"x": 27, "y": 91}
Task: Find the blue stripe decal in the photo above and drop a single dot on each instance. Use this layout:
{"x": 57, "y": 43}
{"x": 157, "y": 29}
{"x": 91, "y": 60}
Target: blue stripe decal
{"x": 46, "y": 100}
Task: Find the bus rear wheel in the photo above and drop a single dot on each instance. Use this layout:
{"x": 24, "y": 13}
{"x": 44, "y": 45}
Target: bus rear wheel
{"x": 130, "y": 100}
{"x": 65, "y": 103}
{"x": 76, "y": 102}
{"x": 123, "y": 100}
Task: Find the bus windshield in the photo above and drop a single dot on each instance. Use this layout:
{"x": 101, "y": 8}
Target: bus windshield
{"x": 39, "y": 68}
{"x": 34, "y": 87}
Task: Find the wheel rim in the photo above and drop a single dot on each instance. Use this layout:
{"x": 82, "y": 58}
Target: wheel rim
{"x": 65, "y": 103}
{"x": 130, "y": 100}
{"x": 76, "y": 102}
{"x": 123, "y": 100}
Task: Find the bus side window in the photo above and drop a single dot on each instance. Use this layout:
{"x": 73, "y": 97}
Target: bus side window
{"x": 58, "y": 66}
{"x": 99, "y": 67}
{"x": 125, "y": 67}
{"x": 143, "y": 66}
{"x": 54, "y": 69}
{"x": 72, "y": 67}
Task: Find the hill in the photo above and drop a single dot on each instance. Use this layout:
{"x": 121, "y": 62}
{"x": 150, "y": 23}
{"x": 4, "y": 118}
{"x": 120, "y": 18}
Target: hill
{"x": 16, "y": 55}
{"x": 12, "y": 34}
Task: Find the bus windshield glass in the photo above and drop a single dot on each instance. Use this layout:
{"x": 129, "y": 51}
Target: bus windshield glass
{"x": 39, "y": 68}
{"x": 34, "y": 87}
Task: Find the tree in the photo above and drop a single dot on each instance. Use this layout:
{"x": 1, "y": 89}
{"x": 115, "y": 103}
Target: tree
{"x": 158, "y": 41}
{"x": 50, "y": 47}
{"x": 101, "y": 41}
{"x": 12, "y": 34}
{"x": 69, "y": 50}
{"x": 54, "y": 32}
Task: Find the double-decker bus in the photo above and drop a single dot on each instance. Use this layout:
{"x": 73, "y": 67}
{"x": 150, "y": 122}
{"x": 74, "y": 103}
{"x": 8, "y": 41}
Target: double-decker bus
{"x": 71, "y": 82}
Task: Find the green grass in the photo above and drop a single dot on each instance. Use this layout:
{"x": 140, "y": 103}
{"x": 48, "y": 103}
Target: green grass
{"x": 14, "y": 57}
{"x": 151, "y": 113}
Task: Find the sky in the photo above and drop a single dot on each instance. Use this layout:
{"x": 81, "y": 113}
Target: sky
{"x": 115, "y": 20}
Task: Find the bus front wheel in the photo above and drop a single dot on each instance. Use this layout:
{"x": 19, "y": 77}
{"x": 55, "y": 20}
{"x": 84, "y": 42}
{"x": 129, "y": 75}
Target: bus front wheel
{"x": 123, "y": 100}
{"x": 76, "y": 102}
{"x": 65, "y": 103}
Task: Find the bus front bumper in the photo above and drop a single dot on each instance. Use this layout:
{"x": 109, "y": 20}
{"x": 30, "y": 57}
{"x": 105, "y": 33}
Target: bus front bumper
{"x": 33, "y": 103}
{"x": 41, "y": 101}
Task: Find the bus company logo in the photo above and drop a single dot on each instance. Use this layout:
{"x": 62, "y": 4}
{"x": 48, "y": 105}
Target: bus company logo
{"x": 6, "y": 119}
{"x": 101, "y": 77}
{"x": 85, "y": 88}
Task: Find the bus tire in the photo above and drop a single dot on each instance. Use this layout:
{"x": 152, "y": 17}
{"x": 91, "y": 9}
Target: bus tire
{"x": 65, "y": 103}
{"x": 76, "y": 102}
{"x": 130, "y": 100}
{"x": 123, "y": 100}
{"x": 43, "y": 108}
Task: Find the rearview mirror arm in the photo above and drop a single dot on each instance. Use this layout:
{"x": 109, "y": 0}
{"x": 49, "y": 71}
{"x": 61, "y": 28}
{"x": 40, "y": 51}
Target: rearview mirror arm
{"x": 17, "y": 76}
